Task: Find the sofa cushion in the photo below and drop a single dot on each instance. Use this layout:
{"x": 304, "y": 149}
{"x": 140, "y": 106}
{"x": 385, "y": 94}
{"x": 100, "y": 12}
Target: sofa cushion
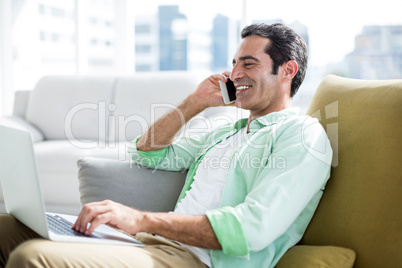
{"x": 317, "y": 256}
{"x": 71, "y": 105}
{"x": 62, "y": 156}
{"x": 360, "y": 208}
{"x": 141, "y": 99}
{"x": 129, "y": 184}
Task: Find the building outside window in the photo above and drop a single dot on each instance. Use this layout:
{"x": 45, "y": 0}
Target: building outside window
{"x": 113, "y": 37}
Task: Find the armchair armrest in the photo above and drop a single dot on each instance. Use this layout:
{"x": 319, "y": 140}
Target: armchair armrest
{"x": 18, "y": 122}
{"x": 129, "y": 184}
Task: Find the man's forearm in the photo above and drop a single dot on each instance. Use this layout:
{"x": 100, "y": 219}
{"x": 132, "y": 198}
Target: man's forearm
{"x": 187, "y": 229}
{"x": 162, "y": 132}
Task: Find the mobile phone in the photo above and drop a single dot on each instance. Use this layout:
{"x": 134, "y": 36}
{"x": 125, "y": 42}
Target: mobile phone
{"x": 228, "y": 91}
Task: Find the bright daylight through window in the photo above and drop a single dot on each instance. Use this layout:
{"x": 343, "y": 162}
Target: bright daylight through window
{"x": 356, "y": 39}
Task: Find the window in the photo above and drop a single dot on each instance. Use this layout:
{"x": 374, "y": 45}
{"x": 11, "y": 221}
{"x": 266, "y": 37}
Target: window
{"x": 143, "y": 68}
{"x": 57, "y": 12}
{"x": 93, "y": 20}
{"x": 142, "y": 29}
{"x": 142, "y": 49}
{"x": 357, "y": 39}
{"x": 41, "y": 9}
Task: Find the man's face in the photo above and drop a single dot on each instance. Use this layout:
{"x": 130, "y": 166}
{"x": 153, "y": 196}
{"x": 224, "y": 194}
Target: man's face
{"x": 257, "y": 88}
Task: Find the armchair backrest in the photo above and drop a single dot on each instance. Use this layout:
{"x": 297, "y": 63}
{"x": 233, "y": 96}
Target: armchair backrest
{"x": 361, "y": 206}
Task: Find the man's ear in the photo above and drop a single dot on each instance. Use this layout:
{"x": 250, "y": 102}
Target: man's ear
{"x": 290, "y": 69}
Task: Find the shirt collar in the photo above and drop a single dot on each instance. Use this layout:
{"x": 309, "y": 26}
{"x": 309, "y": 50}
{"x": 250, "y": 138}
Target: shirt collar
{"x": 267, "y": 120}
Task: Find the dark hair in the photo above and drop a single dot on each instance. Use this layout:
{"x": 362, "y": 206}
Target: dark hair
{"x": 285, "y": 45}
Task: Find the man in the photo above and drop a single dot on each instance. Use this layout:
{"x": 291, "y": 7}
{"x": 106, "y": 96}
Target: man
{"x": 247, "y": 210}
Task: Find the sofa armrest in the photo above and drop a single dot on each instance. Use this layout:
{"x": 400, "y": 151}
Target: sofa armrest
{"x": 129, "y": 184}
{"x": 21, "y": 100}
{"x": 18, "y": 122}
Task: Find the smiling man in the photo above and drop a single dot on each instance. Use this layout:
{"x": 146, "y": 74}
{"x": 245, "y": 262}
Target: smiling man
{"x": 249, "y": 209}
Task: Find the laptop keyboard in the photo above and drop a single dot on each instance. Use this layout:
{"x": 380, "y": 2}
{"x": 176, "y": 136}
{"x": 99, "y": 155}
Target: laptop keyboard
{"x": 61, "y": 226}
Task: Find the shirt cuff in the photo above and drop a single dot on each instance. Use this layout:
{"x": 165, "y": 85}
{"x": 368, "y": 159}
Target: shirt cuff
{"x": 149, "y": 158}
{"x": 229, "y": 231}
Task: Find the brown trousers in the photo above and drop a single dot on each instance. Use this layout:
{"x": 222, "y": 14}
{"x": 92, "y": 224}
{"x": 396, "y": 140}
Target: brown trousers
{"x": 21, "y": 247}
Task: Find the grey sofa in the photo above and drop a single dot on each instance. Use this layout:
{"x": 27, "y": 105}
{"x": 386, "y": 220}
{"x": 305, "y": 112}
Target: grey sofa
{"x": 71, "y": 117}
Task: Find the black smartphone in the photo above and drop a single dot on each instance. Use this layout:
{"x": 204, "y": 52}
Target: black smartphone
{"x": 228, "y": 91}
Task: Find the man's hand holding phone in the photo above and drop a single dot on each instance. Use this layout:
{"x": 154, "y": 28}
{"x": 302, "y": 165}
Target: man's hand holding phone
{"x": 209, "y": 92}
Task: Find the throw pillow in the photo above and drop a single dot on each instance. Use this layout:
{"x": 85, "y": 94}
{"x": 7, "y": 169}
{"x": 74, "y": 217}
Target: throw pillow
{"x": 317, "y": 256}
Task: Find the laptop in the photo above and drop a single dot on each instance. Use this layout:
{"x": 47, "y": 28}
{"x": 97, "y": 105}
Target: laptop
{"x": 23, "y": 196}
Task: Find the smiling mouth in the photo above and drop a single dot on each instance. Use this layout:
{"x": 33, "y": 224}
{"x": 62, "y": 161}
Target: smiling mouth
{"x": 240, "y": 89}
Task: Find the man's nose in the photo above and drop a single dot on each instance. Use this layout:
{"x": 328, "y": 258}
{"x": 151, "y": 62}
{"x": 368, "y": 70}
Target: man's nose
{"x": 236, "y": 73}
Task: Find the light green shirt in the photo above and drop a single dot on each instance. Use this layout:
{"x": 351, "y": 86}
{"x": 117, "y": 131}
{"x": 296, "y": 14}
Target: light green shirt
{"x": 274, "y": 183}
